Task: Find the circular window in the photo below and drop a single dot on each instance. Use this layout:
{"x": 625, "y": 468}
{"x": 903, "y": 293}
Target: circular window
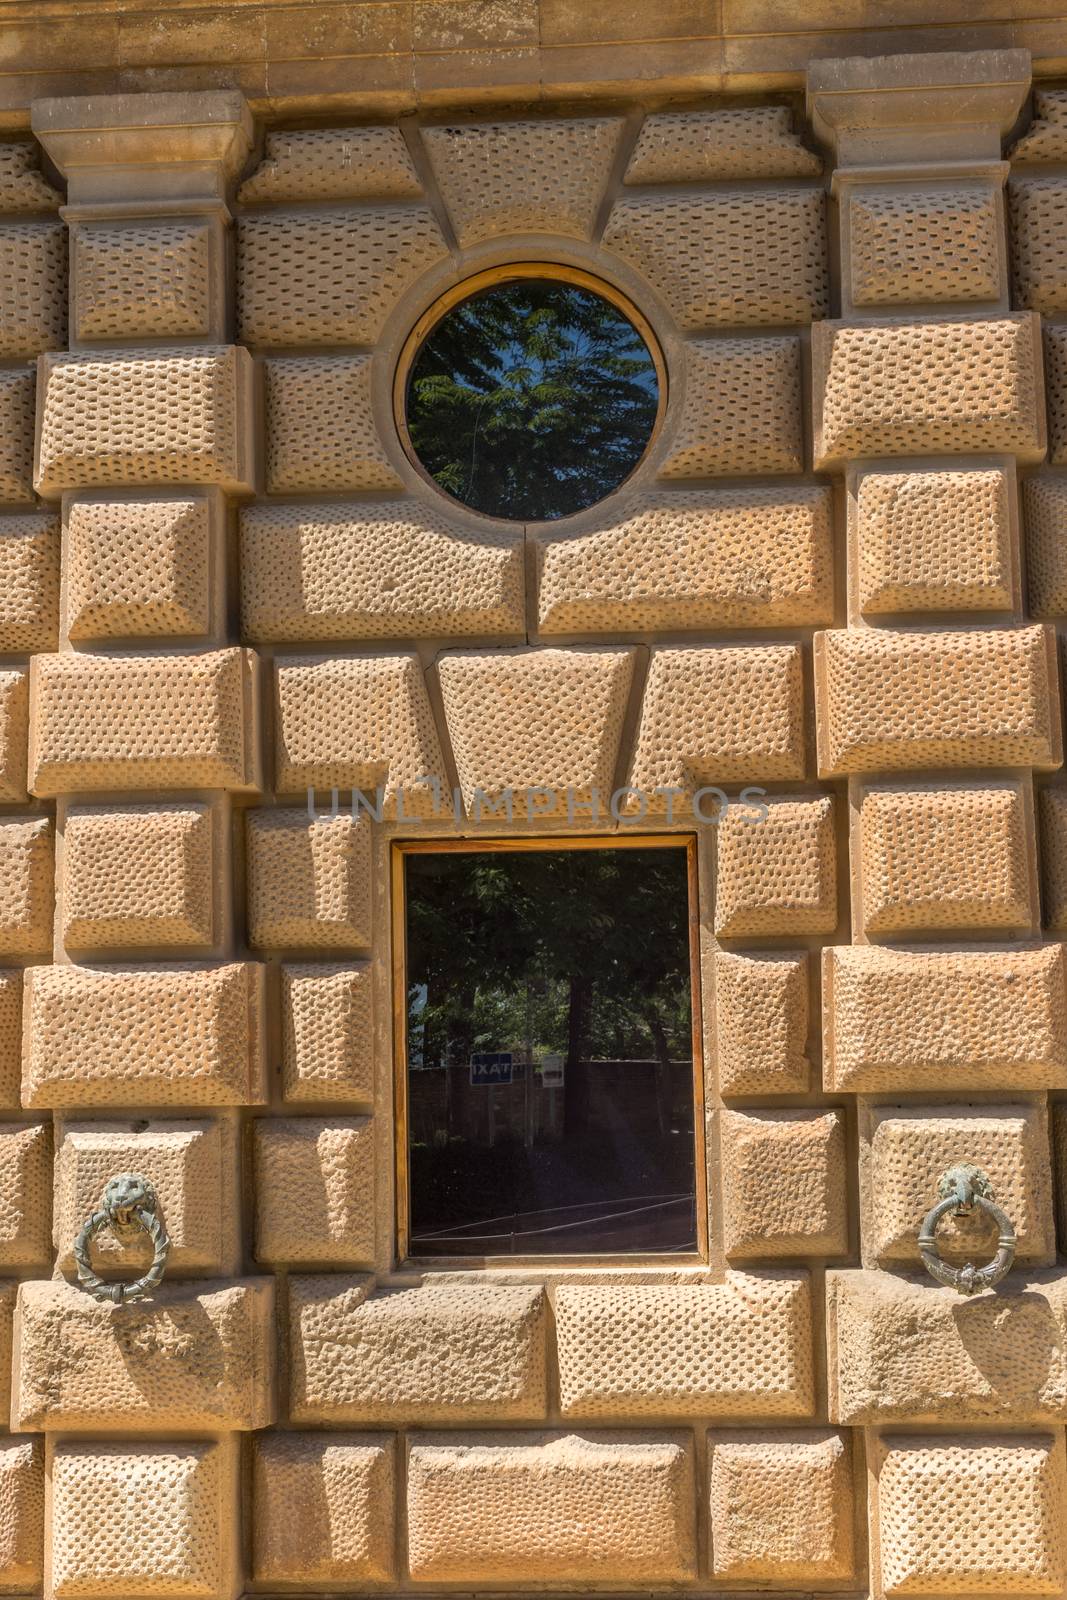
{"x": 530, "y": 393}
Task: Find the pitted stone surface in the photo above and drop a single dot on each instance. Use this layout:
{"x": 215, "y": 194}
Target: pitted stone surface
{"x": 761, "y": 1015}
{"x": 687, "y": 146}
{"x": 324, "y": 1507}
{"x": 1053, "y": 813}
{"x": 777, "y": 868}
{"x": 10, "y": 1047}
{"x": 321, "y": 432}
{"x": 17, "y": 391}
{"x": 142, "y": 280}
{"x": 25, "y": 1194}
{"x": 33, "y": 271}
{"x": 1046, "y": 138}
{"x": 783, "y": 1175}
{"x": 21, "y": 1514}
{"x": 924, "y": 244}
{"x": 8, "y": 1292}
{"x": 14, "y": 734}
{"x": 22, "y": 186}
{"x": 138, "y": 568}
{"x": 781, "y": 1507}
{"x": 742, "y": 409}
{"x": 326, "y": 1032}
{"x": 309, "y": 880}
{"x": 456, "y": 1353}
{"x": 1038, "y": 209}
{"x": 1055, "y": 340}
{"x": 1045, "y": 503}
{"x": 138, "y": 877}
{"x": 315, "y": 1191}
{"x": 29, "y": 582}
{"x": 333, "y": 164}
{"x": 933, "y": 541}
{"x": 26, "y": 886}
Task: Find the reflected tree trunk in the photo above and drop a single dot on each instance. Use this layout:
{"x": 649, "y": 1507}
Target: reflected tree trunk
{"x": 575, "y": 1080}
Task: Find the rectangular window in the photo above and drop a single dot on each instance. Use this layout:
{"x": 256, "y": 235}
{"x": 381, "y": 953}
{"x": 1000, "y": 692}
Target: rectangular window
{"x": 549, "y": 1080}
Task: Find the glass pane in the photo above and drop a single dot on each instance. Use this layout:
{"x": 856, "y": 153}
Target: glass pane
{"x": 550, "y": 1067}
{"x": 532, "y": 400}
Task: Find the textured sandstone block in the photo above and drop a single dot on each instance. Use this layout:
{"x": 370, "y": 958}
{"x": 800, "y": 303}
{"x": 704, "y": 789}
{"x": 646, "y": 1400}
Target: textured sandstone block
{"x": 359, "y": 722}
{"x": 14, "y": 733}
{"x": 33, "y": 270}
{"x": 1059, "y": 1167}
{"x": 719, "y": 716}
{"x": 777, "y": 868}
{"x": 333, "y": 164}
{"x": 22, "y": 187}
{"x": 139, "y": 877}
{"x": 8, "y": 1292}
{"x": 1053, "y": 811}
{"x": 742, "y": 409}
{"x": 25, "y": 1194}
{"x": 783, "y": 1175}
{"x": 905, "y": 1149}
{"x": 151, "y": 1036}
{"x": 327, "y": 1041}
{"x": 157, "y": 416}
{"x": 371, "y": 570}
{"x": 756, "y": 142}
{"x": 141, "y": 280}
{"x": 738, "y": 1348}
{"x": 781, "y": 1507}
{"x": 924, "y": 244}
{"x": 309, "y": 880}
{"x": 139, "y": 1519}
{"x": 909, "y": 1019}
{"x": 1045, "y": 503}
{"x": 141, "y": 722}
{"x": 194, "y": 1356}
{"x": 324, "y": 1507}
{"x": 945, "y": 857}
{"x": 914, "y": 700}
{"x": 1046, "y": 138}
{"x": 906, "y": 1350}
{"x": 331, "y": 277}
{"x": 191, "y": 1166}
{"x": 320, "y": 427}
{"x": 17, "y": 388}
{"x": 315, "y": 1190}
{"x": 544, "y": 176}
{"x": 26, "y": 886}
{"x": 29, "y": 581}
{"x": 139, "y": 568}
{"x": 444, "y": 1353}
{"x": 10, "y": 1045}
{"x": 935, "y": 1531}
{"x": 1038, "y": 237}
{"x": 551, "y": 1508}
{"x": 728, "y": 257}
{"x": 1055, "y": 338}
{"x": 535, "y": 719}
{"x": 902, "y": 389}
{"x": 933, "y": 541}
{"x": 695, "y": 558}
{"x": 21, "y": 1514}
{"x": 761, "y": 1018}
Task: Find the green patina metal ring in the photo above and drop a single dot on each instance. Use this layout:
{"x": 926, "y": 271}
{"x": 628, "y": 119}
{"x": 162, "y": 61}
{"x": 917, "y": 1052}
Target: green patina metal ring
{"x": 129, "y": 1201}
{"x": 963, "y": 1189}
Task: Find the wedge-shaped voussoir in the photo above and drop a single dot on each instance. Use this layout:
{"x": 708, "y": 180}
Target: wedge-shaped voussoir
{"x": 197, "y": 1355}
{"x": 324, "y": 1507}
{"x": 21, "y": 1514}
{"x": 960, "y": 1019}
{"x": 906, "y": 701}
{"x": 150, "y": 1035}
{"x": 143, "y": 722}
{"x": 501, "y": 1508}
{"x": 748, "y": 142}
{"x": 441, "y": 1353}
{"x": 732, "y": 1349}
{"x": 781, "y": 1507}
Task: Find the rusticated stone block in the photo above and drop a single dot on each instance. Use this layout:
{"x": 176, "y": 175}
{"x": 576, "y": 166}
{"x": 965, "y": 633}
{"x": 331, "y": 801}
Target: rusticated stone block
{"x": 371, "y": 570}
{"x": 139, "y": 877}
{"x": 543, "y": 176}
{"x": 152, "y": 1036}
{"x": 1059, "y": 1167}
{"x": 953, "y": 699}
{"x": 143, "y": 1518}
{"x": 904, "y": 1019}
{"x": 902, "y": 389}
{"x": 687, "y": 146}
{"x": 761, "y": 1018}
{"x": 906, "y": 1350}
{"x": 924, "y": 244}
{"x": 777, "y": 868}
{"x": 143, "y": 722}
{"x": 192, "y": 1167}
{"x": 10, "y": 1045}
{"x": 309, "y": 880}
{"x": 1038, "y": 237}
{"x": 315, "y": 1191}
{"x": 29, "y": 581}
{"x": 1055, "y": 338}
{"x": 25, "y": 1194}
{"x": 21, "y": 1514}
{"x": 1045, "y": 503}
{"x": 535, "y": 719}
{"x": 738, "y": 1348}
{"x": 324, "y": 1507}
{"x": 14, "y": 733}
{"x": 448, "y": 1352}
{"x": 696, "y": 558}
{"x": 718, "y": 716}
{"x": 333, "y": 164}
{"x": 728, "y": 257}
{"x": 905, "y": 1149}
{"x": 781, "y": 1507}
{"x": 194, "y": 1356}
{"x": 331, "y": 277}
{"x": 355, "y": 723}
{"x": 158, "y": 416}
{"x": 8, "y": 1292}
{"x": 320, "y": 427}
{"x": 17, "y": 388}
{"x": 742, "y": 409}
{"x": 551, "y": 1508}
{"x": 22, "y": 187}
{"x": 142, "y": 280}
{"x": 935, "y": 857}
{"x": 1053, "y": 811}
{"x": 139, "y": 568}
{"x": 933, "y": 541}
{"x": 932, "y": 1527}
{"x": 326, "y": 1032}
{"x": 26, "y": 879}
{"x": 783, "y": 1175}
{"x": 1046, "y": 138}
{"x": 33, "y": 270}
